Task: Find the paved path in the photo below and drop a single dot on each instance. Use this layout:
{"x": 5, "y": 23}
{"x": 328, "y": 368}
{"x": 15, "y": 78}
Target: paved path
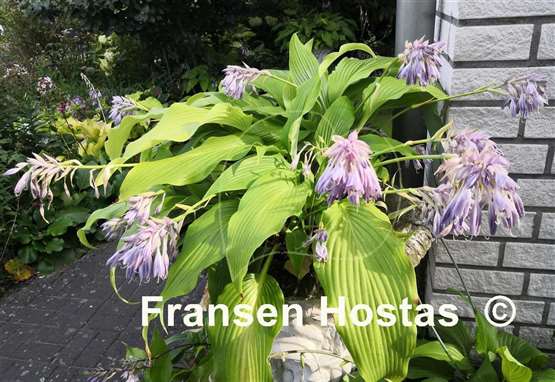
{"x": 58, "y": 327}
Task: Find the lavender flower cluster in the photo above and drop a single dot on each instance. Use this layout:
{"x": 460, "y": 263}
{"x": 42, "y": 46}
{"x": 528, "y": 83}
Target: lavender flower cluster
{"x": 148, "y": 252}
{"x": 237, "y": 78}
{"x": 421, "y": 62}
{"x": 349, "y": 172}
{"x": 526, "y": 95}
{"x": 121, "y": 106}
{"x": 475, "y": 178}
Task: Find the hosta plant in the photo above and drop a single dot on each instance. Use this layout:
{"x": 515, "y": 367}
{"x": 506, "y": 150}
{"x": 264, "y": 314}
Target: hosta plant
{"x": 292, "y": 174}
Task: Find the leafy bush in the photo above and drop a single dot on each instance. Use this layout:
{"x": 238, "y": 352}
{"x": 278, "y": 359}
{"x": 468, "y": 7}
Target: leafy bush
{"x": 284, "y": 178}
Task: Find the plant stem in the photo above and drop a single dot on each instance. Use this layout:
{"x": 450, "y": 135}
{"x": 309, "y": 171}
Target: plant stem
{"x": 479, "y": 90}
{"x": 266, "y": 73}
{"x": 412, "y": 157}
{"x": 460, "y": 275}
{"x": 282, "y": 353}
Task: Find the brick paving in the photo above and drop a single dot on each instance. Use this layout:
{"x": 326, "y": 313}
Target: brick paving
{"x": 58, "y": 327}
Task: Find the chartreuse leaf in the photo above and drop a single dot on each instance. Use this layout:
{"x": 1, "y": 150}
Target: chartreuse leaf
{"x": 240, "y": 175}
{"x": 112, "y": 211}
{"x": 379, "y": 143}
{"x": 429, "y": 368}
{"x": 352, "y": 70}
{"x": 512, "y": 370}
{"x": 273, "y": 86}
{"x": 188, "y": 168}
{"x": 486, "y": 373}
{"x": 304, "y": 101}
{"x": 118, "y": 136}
{"x": 435, "y": 350}
{"x": 522, "y": 350}
{"x": 337, "y": 120}
{"x": 204, "y": 244}
{"x": 262, "y": 212}
{"x": 345, "y": 48}
{"x": 367, "y": 265}
{"x": 303, "y": 65}
{"x": 241, "y": 353}
{"x": 388, "y": 89}
{"x": 486, "y": 335}
{"x": 181, "y": 121}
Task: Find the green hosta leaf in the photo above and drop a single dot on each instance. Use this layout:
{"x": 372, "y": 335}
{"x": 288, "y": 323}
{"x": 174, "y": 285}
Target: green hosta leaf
{"x": 54, "y": 245}
{"x": 262, "y": 213}
{"x": 241, "y": 353}
{"x": 118, "y": 136}
{"x": 112, "y": 211}
{"x": 429, "y": 368}
{"x": 274, "y": 87}
{"x": 458, "y": 335}
{"x": 378, "y": 93}
{"x": 337, "y": 120}
{"x": 27, "y": 254}
{"x": 523, "y": 351}
{"x": 513, "y": 371}
{"x": 486, "y": 335}
{"x": 352, "y": 70}
{"x": 299, "y": 259}
{"x": 241, "y": 174}
{"x": 67, "y": 218}
{"x": 434, "y": 350}
{"x": 161, "y": 368}
{"x": 304, "y": 101}
{"x": 367, "y": 265}
{"x": 303, "y": 65}
{"x": 379, "y": 143}
{"x": 204, "y": 244}
{"x": 544, "y": 376}
{"x": 345, "y": 48}
{"x": 181, "y": 121}
{"x": 486, "y": 373}
{"x": 188, "y": 168}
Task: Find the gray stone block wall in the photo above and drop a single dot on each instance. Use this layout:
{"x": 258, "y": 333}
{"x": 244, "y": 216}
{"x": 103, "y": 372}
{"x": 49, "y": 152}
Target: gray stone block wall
{"x": 490, "y": 41}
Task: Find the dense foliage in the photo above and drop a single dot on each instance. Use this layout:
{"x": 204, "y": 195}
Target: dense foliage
{"x": 293, "y": 172}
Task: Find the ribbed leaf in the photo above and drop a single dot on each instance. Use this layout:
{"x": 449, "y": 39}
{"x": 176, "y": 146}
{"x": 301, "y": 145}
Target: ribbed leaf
{"x": 345, "y": 48}
{"x": 337, "y": 120}
{"x": 544, "y": 376}
{"x": 188, "y": 168}
{"x": 352, "y": 70}
{"x": 181, "y": 121}
{"x": 435, "y": 350}
{"x": 241, "y": 353}
{"x": 367, "y": 265}
{"x": 512, "y": 370}
{"x": 486, "y": 373}
{"x": 204, "y": 244}
{"x": 389, "y": 89}
{"x": 379, "y": 143}
{"x": 522, "y": 350}
{"x": 303, "y": 65}
{"x": 118, "y": 136}
{"x": 241, "y": 174}
{"x": 262, "y": 213}
{"x": 274, "y": 87}
{"x": 113, "y": 210}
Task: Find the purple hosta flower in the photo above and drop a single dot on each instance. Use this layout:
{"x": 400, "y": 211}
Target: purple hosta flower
{"x": 349, "y": 172}
{"x": 129, "y": 376}
{"x": 44, "y": 85}
{"x": 421, "y": 62}
{"x": 475, "y": 178}
{"x": 320, "y": 237}
{"x": 237, "y": 78}
{"x": 94, "y": 94}
{"x": 113, "y": 228}
{"x": 121, "y": 106}
{"x": 526, "y": 96}
{"x": 147, "y": 253}
{"x": 41, "y": 172}
{"x": 139, "y": 207}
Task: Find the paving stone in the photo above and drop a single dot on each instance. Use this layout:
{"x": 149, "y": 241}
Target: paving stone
{"x": 95, "y": 350}
{"x": 31, "y": 371}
